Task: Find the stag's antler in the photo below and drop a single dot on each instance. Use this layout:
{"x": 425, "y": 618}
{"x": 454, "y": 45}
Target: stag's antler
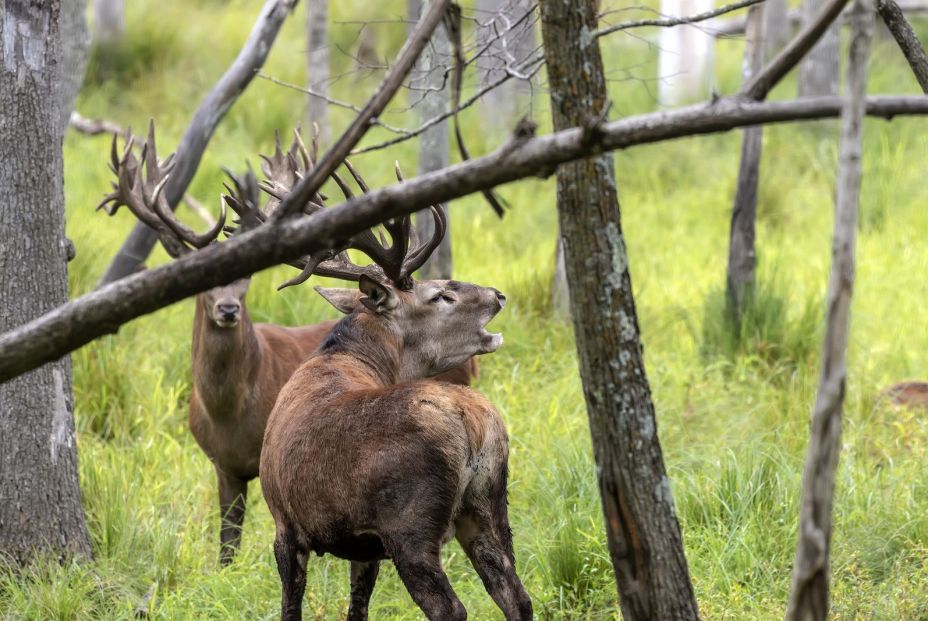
{"x": 142, "y": 194}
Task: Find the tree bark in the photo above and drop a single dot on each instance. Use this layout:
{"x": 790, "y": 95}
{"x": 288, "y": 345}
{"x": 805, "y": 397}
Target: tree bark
{"x": 41, "y": 508}
{"x": 685, "y": 56}
{"x": 643, "y": 535}
{"x": 776, "y": 26}
{"x": 100, "y": 312}
{"x": 742, "y": 256}
{"x": 808, "y": 600}
{"x": 907, "y": 39}
{"x": 433, "y": 145}
{"x": 109, "y": 22}
{"x": 317, "y": 66}
{"x": 820, "y": 68}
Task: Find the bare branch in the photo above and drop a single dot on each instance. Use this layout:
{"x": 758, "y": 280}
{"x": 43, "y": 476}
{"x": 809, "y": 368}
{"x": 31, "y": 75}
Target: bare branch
{"x": 906, "y": 38}
{"x": 193, "y": 143}
{"x": 95, "y": 127}
{"x": 808, "y": 598}
{"x": 677, "y": 21}
{"x": 770, "y": 76}
{"x": 100, "y": 312}
{"x": 336, "y": 154}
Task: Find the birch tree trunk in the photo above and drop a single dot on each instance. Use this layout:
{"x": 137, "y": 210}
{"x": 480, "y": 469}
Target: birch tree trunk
{"x": 685, "y": 55}
{"x": 742, "y": 256}
{"x": 41, "y": 502}
{"x": 776, "y": 26}
{"x": 433, "y": 144}
{"x": 820, "y": 69}
{"x": 317, "y": 67}
{"x": 109, "y": 22}
{"x": 808, "y": 600}
{"x": 643, "y": 534}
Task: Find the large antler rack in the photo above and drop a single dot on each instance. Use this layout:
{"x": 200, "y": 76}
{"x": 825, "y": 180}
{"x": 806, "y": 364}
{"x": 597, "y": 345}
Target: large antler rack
{"x": 393, "y": 262}
{"x": 142, "y": 194}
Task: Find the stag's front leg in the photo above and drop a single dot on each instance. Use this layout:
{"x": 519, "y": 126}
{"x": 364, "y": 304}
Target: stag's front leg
{"x": 232, "y": 495}
{"x": 291, "y": 565}
{"x": 363, "y": 578}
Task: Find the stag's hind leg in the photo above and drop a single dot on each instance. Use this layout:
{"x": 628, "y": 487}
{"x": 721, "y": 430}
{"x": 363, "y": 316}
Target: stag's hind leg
{"x": 233, "y": 493}
{"x": 418, "y": 563}
{"x": 363, "y": 578}
{"x": 291, "y": 565}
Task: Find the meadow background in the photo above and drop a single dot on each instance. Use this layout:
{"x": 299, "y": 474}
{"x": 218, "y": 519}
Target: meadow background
{"x": 733, "y": 410}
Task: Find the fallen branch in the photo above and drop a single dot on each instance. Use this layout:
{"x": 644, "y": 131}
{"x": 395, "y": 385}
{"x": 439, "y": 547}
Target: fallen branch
{"x": 906, "y": 38}
{"x": 95, "y": 127}
{"x": 217, "y": 102}
{"x": 101, "y": 312}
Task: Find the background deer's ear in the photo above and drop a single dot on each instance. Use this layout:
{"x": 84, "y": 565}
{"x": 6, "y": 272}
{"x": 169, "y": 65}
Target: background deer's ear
{"x": 345, "y": 300}
{"x": 380, "y": 298}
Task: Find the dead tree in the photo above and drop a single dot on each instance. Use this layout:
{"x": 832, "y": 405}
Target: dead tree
{"x": 685, "y": 56}
{"x": 317, "y": 66}
{"x": 109, "y": 22}
{"x": 433, "y": 142}
{"x": 742, "y": 256}
{"x": 642, "y": 531}
{"x": 808, "y": 600}
{"x": 41, "y": 510}
{"x": 819, "y": 71}
{"x": 776, "y": 28}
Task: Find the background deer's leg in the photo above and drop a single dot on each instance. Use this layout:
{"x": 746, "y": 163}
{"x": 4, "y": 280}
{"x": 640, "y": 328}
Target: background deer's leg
{"x": 418, "y": 563}
{"x": 291, "y": 565}
{"x": 232, "y": 495}
{"x": 363, "y": 578}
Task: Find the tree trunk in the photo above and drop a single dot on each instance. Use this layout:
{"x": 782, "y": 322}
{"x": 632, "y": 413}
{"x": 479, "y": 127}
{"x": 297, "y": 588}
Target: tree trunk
{"x": 317, "y": 67}
{"x": 643, "y": 534}
{"x": 819, "y": 71}
{"x": 776, "y": 26}
{"x": 560, "y": 295}
{"x": 41, "y": 509}
{"x": 433, "y": 143}
{"x": 504, "y": 48}
{"x": 808, "y": 600}
{"x": 685, "y": 55}
{"x": 109, "y": 22}
{"x": 742, "y": 256}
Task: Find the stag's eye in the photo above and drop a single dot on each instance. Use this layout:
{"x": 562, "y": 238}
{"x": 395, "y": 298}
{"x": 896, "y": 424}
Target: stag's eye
{"x": 436, "y": 298}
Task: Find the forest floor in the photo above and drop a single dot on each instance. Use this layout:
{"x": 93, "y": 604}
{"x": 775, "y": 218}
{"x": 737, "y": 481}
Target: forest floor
{"x": 733, "y": 412}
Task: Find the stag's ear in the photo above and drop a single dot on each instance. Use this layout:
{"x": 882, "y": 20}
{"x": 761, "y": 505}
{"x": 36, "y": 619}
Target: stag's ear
{"x": 380, "y": 298}
{"x": 345, "y": 300}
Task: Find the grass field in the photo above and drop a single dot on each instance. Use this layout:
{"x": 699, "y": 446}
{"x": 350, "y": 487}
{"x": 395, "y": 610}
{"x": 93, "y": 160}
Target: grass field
{"x": 733, "y": 413}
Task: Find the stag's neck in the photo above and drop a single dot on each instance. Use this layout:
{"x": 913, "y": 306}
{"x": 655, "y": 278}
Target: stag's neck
{"x": 225, "y": 362}
{"x": 373, "y": 346}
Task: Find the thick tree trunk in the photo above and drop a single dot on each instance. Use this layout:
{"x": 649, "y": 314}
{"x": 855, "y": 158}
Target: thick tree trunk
{"x": 41, "y": 508}
{"x": 642, "y": 530}
{"x": 685, "y": 55}
{"x": 109, "y": 21}
{"x": 509, "y": 35}
{"x": 433, "y": 143}
{"x": 742, "y": 256}
{"x": 317, "y": 66}
{"x": 808, "y": 600}
{"x": 819, "y": 71}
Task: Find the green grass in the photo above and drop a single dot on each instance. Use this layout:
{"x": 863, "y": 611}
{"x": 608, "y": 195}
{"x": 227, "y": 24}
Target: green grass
{"x": 733, "y": 410}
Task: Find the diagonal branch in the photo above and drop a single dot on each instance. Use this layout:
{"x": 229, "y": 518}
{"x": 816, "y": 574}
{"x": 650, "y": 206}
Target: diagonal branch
{"x": 335, "y": 155}
{"x": 668, "y": 22}
{"x": 906, "y": 38}
{"x": 770, "y": 76}
{"x": 101, "y": 312}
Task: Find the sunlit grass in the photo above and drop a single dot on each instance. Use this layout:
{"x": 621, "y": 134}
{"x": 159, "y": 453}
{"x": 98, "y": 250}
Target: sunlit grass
{"x": 732, "y": 418}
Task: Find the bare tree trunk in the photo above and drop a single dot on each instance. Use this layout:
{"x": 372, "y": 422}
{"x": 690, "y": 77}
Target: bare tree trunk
{"x": 808, "y": 600}
{"x": 776, "y": 26}
{"x": 433, "y": 143}
{"x": 819, "y": 71}
{"x": 642, "y": 531}
{"x": 317, "y": 66}
{"x": 41, "y": 502}
{"x": 504, "y": 49}
{"x": 109, "y": 22}
{"x": 685, "y": 56}
{"x": 742, "y": 256}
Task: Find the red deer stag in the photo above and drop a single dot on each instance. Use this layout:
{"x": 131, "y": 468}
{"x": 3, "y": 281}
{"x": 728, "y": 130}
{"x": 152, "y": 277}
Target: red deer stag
{"x": 238, "y": 366}
{"x": 364, "y": 461}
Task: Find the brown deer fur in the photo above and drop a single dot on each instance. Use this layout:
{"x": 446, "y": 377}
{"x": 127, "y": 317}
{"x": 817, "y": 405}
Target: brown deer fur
{"x": 363, "y": 461}
{"x": 908, "y": 394}
{"x": 238, "y": 369}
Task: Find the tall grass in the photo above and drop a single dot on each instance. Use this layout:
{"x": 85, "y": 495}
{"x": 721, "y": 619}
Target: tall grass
{"x": 733, "y": 409}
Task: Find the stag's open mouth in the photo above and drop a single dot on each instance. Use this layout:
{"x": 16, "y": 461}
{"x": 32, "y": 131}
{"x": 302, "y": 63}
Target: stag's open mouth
{"x": 490, "y": 341}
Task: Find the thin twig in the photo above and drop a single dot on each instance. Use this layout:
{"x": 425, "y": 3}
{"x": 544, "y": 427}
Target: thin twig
{"x": 677, "y": 21}
{"x": 95, "y": 127}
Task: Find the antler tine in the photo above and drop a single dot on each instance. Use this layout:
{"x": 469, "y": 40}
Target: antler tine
{"x": 315, "y": 144}
{"x": 243, "y": 198}
{"x": 357, "y": 177}
{"x": 420, "y": 255}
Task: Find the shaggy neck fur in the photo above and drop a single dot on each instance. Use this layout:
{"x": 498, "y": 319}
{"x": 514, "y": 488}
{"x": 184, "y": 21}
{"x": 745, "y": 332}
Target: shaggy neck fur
{"x": 363, "y": 337}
